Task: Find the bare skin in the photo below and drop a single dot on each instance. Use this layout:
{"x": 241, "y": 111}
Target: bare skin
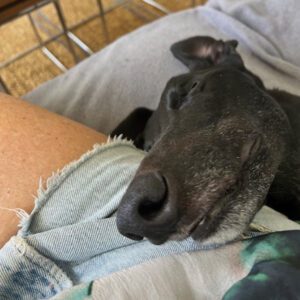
{"x": 34, "y": 144}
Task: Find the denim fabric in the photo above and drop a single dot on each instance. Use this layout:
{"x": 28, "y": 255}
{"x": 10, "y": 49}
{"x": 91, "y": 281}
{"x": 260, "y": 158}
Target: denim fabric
{"x": 72, "y": 229}
{"x": 25, "y": 274}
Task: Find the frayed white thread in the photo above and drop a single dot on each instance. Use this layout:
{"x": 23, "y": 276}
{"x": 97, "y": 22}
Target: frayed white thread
{"x": 20, "y": 213}
{"x": 54, "y": 179}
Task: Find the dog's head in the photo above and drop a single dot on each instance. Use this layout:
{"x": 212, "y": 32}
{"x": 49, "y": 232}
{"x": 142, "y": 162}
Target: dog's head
{"x": 214, "y": 147}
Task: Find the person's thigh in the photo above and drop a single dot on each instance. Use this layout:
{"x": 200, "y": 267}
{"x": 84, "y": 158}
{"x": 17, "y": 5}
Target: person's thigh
{"x": 34, "y": 144}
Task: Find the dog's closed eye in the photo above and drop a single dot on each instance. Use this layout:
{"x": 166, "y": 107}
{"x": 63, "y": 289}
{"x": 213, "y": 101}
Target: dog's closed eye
{"x": 198, "y": 86}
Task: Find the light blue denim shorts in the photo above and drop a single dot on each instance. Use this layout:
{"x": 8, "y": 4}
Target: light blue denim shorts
{"x": 71, "y": 236}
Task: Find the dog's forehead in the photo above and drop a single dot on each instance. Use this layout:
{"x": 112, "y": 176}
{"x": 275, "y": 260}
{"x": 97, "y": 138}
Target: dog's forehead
{"x": 218, "y": 73}
{"x": 214, "y": 75}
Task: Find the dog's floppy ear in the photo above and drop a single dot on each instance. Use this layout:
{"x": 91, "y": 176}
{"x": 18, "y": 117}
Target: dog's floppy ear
{"x": 202, "y": 52}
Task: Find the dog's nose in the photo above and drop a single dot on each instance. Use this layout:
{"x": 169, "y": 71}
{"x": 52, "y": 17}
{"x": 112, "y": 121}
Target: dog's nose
{"x": 146, "y": 210}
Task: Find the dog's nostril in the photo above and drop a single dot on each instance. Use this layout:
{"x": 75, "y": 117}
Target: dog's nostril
{"x": 151, "y": 206}
{"x": 149, "y": 209}
{"x": 146, "y": 209}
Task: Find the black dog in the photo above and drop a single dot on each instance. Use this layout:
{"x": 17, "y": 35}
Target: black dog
{"x": 220, "y": 145}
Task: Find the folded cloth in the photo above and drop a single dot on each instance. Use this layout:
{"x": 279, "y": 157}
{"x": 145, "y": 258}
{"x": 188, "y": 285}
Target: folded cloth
{"x": 264, "y": 267}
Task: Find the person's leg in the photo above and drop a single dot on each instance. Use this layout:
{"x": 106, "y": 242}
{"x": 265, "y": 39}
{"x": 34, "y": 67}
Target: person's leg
{"x": 34, "y": 144}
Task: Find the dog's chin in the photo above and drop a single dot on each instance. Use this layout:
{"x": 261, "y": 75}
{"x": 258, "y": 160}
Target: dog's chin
{"x": 219, "y": 235}
{"x": 206, "y": 233}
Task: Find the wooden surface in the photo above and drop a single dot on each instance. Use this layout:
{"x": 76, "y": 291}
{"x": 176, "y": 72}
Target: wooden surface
{"x": 6, "y": 2}
{"x": 12, "y": 8}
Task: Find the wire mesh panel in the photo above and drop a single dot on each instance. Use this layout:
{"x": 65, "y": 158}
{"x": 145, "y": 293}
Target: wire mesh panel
{"x": 45, "y": 38}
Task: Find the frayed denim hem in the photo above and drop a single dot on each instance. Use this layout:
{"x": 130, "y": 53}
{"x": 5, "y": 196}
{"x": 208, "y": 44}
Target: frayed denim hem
{"x": 57, "y": 178}
{"x": 27, "y": 269}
